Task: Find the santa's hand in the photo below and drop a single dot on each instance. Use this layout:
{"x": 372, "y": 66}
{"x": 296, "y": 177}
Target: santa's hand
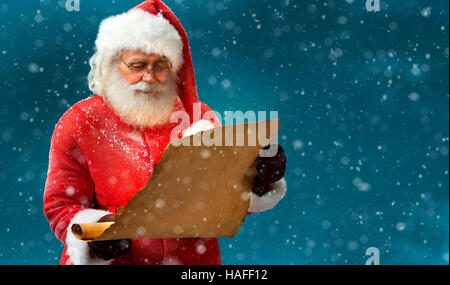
{"x": 109, "y": 249}
{"x": 269, "y": 170}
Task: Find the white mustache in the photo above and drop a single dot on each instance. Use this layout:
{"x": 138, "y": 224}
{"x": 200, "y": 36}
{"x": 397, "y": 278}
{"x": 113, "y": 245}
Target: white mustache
{"x": 143, "y": 86}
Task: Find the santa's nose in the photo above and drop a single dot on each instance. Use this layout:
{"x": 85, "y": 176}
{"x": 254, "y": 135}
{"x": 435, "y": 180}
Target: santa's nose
{"x": 149, "y": 77}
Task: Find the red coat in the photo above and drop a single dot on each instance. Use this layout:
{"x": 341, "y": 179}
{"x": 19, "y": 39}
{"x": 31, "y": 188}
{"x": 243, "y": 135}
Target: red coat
{"x": 96, "y": 159}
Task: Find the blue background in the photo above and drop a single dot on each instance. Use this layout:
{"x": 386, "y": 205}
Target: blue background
{"x": 362, "y": 98}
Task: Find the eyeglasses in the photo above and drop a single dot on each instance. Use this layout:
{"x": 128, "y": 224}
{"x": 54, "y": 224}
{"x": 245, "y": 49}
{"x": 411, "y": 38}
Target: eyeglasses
{"x": 160, "y": 68}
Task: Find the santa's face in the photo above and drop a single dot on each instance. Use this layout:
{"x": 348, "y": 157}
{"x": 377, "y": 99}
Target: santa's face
{"x": 141, "y": 89}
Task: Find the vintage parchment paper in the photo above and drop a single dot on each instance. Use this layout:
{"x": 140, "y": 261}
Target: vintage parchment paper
{"x": 201, "y": 190}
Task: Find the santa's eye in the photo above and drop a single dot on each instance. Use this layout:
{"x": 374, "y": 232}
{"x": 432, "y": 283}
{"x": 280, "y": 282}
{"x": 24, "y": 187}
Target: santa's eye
{"x": 138, "y": 66}
{"x": 161, "y": 66}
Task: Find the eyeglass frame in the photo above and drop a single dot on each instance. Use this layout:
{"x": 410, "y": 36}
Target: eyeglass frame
{"x": 147, "y": 68}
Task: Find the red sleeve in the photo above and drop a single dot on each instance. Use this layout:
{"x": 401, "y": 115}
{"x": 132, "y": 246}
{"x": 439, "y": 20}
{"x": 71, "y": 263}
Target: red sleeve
{"x": 69, "y": 187}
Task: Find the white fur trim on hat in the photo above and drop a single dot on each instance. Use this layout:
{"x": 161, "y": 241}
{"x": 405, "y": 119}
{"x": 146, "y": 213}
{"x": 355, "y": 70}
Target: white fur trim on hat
{"x": 141, "y": 30}
{"x": 199, "y": 126}
{"x": 78, "y": 250}
{"x": 268, "y": 200}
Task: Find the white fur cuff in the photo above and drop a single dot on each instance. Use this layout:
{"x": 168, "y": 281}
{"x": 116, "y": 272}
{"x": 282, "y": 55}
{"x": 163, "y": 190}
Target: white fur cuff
{"x": 268, "y": 200}
{"x": 199, "y": 126}
{"x": 78, "y": 250}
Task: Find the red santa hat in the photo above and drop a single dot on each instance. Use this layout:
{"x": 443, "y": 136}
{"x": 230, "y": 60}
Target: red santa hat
{"x": 153, "y": 28}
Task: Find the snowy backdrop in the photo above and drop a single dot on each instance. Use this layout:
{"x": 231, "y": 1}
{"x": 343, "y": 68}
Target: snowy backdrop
{"x": 362, "y": 97}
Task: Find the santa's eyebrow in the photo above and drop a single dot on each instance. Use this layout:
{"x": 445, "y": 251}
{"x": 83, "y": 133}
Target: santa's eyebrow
{"x": 161, "y": 60}
{"x": 145, "y": 61}
{"x": 137, "y": 60}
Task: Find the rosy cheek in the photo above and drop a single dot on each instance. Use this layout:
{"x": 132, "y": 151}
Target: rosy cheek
{"x": 131, "y": 78}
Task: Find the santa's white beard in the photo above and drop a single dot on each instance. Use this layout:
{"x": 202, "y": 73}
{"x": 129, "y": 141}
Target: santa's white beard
{"x": 138, "y": 109}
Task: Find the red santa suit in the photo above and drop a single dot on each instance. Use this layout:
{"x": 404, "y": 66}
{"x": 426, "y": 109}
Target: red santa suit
{"x": 97, "y": 162}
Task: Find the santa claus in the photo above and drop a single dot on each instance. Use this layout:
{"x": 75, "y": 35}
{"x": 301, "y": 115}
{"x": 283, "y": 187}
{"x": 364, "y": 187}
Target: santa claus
{"x": 104, "y": 148}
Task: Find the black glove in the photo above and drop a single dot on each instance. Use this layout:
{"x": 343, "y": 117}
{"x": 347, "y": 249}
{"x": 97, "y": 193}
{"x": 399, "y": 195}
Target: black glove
{"x": 109, "y": 249}
{"x": 269, "y": 170}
